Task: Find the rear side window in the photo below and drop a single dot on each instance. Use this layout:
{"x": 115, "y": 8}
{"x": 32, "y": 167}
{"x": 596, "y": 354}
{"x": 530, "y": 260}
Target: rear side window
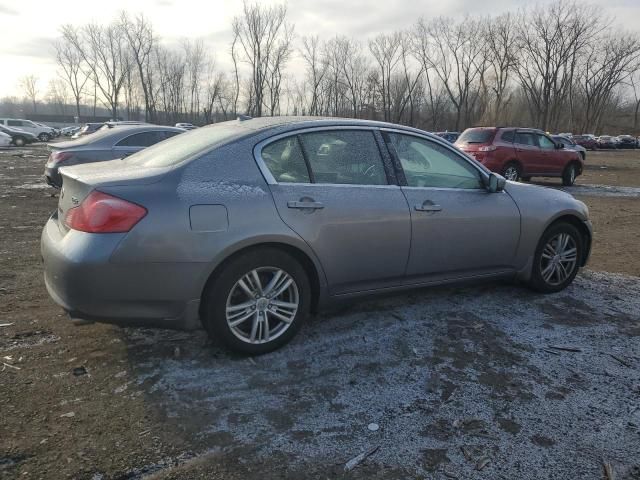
{"x": 344, "y": 157}
{"x": 525, "y": 138}
{"x": 144, "y": 139}
{"x": 508, "y": 136}
{"x": 285, "y": 161}
{"x": 14, "y": 123}
{"x": 476, "y": 135}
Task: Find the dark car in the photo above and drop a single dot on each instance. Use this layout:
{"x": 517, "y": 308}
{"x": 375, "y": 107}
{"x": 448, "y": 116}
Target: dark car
{"x": 521, "y": 153}
{"x": 104, "y": 145}
{"x": 88, "y": 129}
{"x": 585, "y": 141}
{"x": 627, "y": 141}
{"x": 606, "y": 141}
{"x": 243, "y": 227}
{"x": 569, "y": 144}
{"x": 19, "y": 137}
{"x": 450, "y": 137}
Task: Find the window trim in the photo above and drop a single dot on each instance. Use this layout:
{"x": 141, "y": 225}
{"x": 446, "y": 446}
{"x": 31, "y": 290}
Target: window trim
{"x": 270, "y": 179}
{"x": 402, "y": 179}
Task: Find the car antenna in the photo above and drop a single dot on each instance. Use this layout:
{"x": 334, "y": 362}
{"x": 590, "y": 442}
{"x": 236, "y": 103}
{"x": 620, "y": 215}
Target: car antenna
{"x": 242, "y": 118}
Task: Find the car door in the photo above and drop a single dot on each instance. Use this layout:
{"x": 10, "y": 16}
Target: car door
{"x": 552, "y": 158}
{"x": 459, "y": 229}
{"x": 528, "y": 152}
{"x": 136, "y": 142}
{"x": 331, "y": 187}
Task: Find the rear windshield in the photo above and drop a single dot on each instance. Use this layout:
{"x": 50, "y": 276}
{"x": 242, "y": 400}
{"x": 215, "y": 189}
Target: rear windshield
{"x": 476, "y": 135}
{"x": 179, "y": 148}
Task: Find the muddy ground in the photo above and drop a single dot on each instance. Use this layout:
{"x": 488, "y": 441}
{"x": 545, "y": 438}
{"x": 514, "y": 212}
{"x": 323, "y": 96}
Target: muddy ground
{"x": 486, "y": 381}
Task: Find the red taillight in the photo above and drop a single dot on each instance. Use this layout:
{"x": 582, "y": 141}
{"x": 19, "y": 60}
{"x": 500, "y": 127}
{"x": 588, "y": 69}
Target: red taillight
{"x": 102, "y": 213}
{"x": 489, "y": 148}
{"x": 57, "y": 157}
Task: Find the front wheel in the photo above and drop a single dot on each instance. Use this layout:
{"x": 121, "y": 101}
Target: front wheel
{"x": 557, "y": 258}
{"x": 44, "y": 137}
{"x": 569, "y": 175}
{"x": 258, "y": 302}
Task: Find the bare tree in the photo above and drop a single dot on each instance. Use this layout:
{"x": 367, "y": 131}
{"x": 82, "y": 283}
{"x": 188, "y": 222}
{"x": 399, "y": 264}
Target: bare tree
{"x": 29, "y": 85}
{"x": 141, "y": 40}
{"x": 316, "y": 66}
{"x": 265, "y": 40}
{"x": 74, "y": 71}
{"x": 501, "y": 43}
{"x": 386, "y": 52}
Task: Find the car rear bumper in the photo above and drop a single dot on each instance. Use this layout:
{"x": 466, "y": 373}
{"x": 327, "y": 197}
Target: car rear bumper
{"x": 80, "y": 277}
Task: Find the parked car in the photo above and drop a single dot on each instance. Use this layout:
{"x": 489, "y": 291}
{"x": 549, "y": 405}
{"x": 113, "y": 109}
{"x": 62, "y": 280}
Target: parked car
{"x": 569, "y": 144}
{"x": 626, "y": 141}
{"x": 566, "y": 135}
{"x": 55, "y": 131}
{"x": 243, "y": 227}
{"x": 606, "y": 141}
{"x": 450, "y": 137}
{"x": 87, "y": 129}
{"x": 102, "y": 146}
{"x": 69, "y": 131}
{"x": 186, "y": 126}
{"x": 123, "y": 123}
{"x": 520, "y": 153}
{"x": 19, "y": 138}
{"x": 5, "y": 140}
{"x": 586, "y": 141}
{"x": 43, "y": 133}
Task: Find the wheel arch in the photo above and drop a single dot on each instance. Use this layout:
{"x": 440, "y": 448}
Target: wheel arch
{"x": 310, "y": 264}
{"x": 579, "y": 224}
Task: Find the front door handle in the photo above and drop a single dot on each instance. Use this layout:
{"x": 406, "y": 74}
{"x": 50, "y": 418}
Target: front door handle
{"x": 428, "y": 207}
{"x": 305, "y": 205}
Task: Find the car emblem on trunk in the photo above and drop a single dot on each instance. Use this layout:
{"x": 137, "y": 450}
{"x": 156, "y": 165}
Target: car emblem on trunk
{"x": 74, "y": 200}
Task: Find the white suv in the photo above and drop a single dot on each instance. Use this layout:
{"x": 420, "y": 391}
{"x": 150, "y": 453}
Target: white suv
{"x": 43, "y": 133}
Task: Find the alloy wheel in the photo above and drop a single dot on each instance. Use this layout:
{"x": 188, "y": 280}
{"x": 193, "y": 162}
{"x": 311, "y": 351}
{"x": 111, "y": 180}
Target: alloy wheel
{"x": 262, "y": 304}
{"x": 559, "y": 259}
{"x": 511, "y": 173}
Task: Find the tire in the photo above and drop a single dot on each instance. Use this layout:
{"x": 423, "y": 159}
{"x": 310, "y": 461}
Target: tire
{"x": 559, "y": 278}
{"x": 226, "y": 291}
{"x": 569, "y": 175}
{"x": 19, "y": 142}
{"x": 44, "y": 137}
{"x": 512, "y": 171}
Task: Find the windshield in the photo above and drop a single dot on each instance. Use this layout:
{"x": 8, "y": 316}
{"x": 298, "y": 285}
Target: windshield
{"x": 476, "y": 135}
{"x": 183, "y": 146}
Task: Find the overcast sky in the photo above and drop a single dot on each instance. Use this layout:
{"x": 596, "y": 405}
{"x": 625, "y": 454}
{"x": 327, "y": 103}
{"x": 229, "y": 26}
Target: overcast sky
{"x": 28, "y": 27}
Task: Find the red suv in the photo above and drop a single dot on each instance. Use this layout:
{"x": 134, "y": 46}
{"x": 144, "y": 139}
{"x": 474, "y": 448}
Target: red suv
{"x": 520, "y": 153}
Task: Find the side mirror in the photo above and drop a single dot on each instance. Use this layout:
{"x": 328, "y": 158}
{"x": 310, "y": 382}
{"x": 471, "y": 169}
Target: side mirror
{"x": 495, "y": 183}
{"x": 559, "y": 146}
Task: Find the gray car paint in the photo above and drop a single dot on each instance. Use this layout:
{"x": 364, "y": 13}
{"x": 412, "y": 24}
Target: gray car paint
{"x": 156, "y": 273}
{"x": 98, "y": 147}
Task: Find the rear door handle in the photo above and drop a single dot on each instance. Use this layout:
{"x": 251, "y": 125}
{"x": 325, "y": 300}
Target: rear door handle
{"x": 428, "y": 207}
{"x": 305, "y": 205}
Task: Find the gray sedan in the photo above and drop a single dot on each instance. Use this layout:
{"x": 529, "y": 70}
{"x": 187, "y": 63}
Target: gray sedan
{"x": 107, "y": 144}
{"x": 244, "y": 227}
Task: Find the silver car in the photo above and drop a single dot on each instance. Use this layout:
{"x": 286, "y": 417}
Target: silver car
{"x": 107, "y": 144}
{"x": 244, "y": 227}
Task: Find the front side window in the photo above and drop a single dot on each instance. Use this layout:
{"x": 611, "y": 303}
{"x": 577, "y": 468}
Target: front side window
{"x": 285, "y": 161}
{"x": 344, "y": 157}
{"x": 545, "y": 142}
{"x": 428, "y": 164}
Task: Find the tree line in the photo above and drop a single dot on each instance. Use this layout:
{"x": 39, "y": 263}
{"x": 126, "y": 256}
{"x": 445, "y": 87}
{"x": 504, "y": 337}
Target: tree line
{"x": 562, "y": 66}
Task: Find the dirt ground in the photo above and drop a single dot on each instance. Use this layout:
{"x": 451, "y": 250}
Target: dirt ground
{"x": 486, "y": 381}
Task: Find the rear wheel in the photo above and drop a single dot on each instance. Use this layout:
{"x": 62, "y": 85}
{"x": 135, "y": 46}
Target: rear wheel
{"x": 19, "y": 142}
{"x": 569, "y": 175}
{"x": 258, "y": 302}
{"x": 557, "y": 258}
{"x": 512, "y": 171}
